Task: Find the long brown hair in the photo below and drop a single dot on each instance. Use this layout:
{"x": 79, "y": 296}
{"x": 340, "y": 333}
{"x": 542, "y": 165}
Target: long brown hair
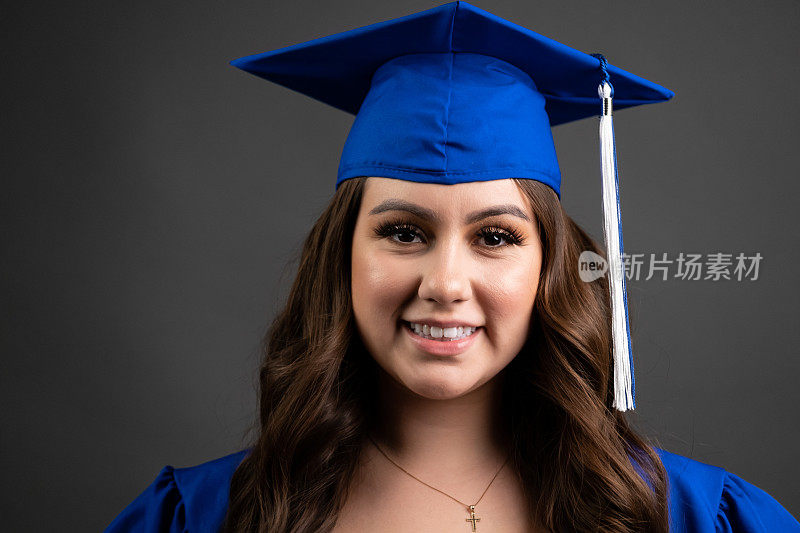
{"x": 582, "y": 466}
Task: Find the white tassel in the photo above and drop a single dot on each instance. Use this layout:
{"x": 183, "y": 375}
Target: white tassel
{"x": 612, "y": 231}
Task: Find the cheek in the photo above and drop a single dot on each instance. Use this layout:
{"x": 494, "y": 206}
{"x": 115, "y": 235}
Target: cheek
{"x": 510, "y": 296}
{"x": 380, "y": 284}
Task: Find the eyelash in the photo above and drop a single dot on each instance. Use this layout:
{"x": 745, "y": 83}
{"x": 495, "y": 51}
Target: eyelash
{"x": 511, "y": 235}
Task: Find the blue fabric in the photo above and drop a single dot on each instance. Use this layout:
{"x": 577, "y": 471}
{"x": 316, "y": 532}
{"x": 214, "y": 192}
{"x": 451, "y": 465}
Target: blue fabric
{"x": 182, "y": 499}
{"x": 708, "y": 498}
{"x": 448, "y": 108}
{"x": 449, "y": 95}
{"x": 701, "y": 498}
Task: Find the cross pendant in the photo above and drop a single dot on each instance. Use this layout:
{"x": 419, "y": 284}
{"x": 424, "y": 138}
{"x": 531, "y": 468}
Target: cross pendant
{"x": 472, "y": 517}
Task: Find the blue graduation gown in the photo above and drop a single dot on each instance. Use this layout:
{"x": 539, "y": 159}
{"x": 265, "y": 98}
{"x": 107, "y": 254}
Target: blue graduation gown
{"x": 701, "y": 498}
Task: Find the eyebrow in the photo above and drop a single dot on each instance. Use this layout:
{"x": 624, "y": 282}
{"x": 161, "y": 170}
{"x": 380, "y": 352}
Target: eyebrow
{"x": 395, "y": 204}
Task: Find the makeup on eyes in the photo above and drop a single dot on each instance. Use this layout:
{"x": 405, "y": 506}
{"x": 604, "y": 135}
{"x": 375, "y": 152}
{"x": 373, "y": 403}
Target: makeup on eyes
{"x": 510, "y": 234}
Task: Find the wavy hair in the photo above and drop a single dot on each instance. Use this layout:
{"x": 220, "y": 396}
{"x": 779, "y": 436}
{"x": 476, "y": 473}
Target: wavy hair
{"x": 582, "y": 466}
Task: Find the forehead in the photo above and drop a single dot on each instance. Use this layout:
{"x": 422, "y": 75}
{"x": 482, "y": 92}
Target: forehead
{"x": 444, "y": 199}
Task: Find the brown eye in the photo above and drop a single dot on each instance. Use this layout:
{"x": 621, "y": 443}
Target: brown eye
{"x": 401, "y": 233}
{"x": 405, "y": 235}
{"x": 495, "y": 237}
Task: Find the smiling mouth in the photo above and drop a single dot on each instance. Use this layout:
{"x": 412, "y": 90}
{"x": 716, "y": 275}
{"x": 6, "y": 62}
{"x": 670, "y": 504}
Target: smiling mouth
{"x": 438, "y": 334}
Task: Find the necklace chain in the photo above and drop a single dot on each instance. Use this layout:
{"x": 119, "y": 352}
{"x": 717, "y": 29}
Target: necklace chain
{"x": 468, "y": 506}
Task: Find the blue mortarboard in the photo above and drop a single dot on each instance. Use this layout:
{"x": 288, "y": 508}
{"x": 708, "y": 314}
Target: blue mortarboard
{"x": 455, "y": 94}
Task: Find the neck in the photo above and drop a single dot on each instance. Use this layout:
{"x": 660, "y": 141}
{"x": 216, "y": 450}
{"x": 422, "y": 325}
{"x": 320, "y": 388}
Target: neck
{"x": 458, "y": 434}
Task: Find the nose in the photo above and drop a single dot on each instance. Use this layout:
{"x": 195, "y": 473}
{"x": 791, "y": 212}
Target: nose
{"x": 446, "y": 276}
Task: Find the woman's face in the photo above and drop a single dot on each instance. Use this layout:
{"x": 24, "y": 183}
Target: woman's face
{"x": 444, "y": 257}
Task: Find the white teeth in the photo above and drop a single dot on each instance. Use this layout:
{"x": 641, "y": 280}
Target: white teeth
{"x": 435, "y": 332}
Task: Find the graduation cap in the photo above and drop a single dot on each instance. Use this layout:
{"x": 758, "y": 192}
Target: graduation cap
{"x": 456, "y": 94}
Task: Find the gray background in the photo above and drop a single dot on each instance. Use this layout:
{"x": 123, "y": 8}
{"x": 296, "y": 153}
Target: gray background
{"x": 154, "y": 198}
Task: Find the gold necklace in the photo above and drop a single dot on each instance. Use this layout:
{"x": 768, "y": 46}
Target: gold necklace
{"x": 470, "y": 508}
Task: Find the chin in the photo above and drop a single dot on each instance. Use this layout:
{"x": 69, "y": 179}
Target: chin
{"x": 441, "y": 387}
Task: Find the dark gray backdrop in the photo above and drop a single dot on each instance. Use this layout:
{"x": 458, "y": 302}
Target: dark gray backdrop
{"x": 153, "y": 196}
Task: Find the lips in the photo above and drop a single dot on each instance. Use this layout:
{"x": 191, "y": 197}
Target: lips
{"x": 442, "y": 347}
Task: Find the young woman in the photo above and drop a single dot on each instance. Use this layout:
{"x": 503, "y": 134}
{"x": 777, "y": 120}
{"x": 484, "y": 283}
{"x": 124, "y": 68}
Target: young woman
{"x": 526, "y": 394}
{"x": 440, "y": 365}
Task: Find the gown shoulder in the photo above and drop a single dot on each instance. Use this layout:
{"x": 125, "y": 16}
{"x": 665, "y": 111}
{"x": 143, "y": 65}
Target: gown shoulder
{"x": 704, "y": 497}
{"x": 182, "y": 499}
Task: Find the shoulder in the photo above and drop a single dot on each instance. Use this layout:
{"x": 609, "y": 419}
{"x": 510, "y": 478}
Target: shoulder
{"x": 704, "y": 497}
{"x": 204, "y": 489}
{"x": 194, "y": 498}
